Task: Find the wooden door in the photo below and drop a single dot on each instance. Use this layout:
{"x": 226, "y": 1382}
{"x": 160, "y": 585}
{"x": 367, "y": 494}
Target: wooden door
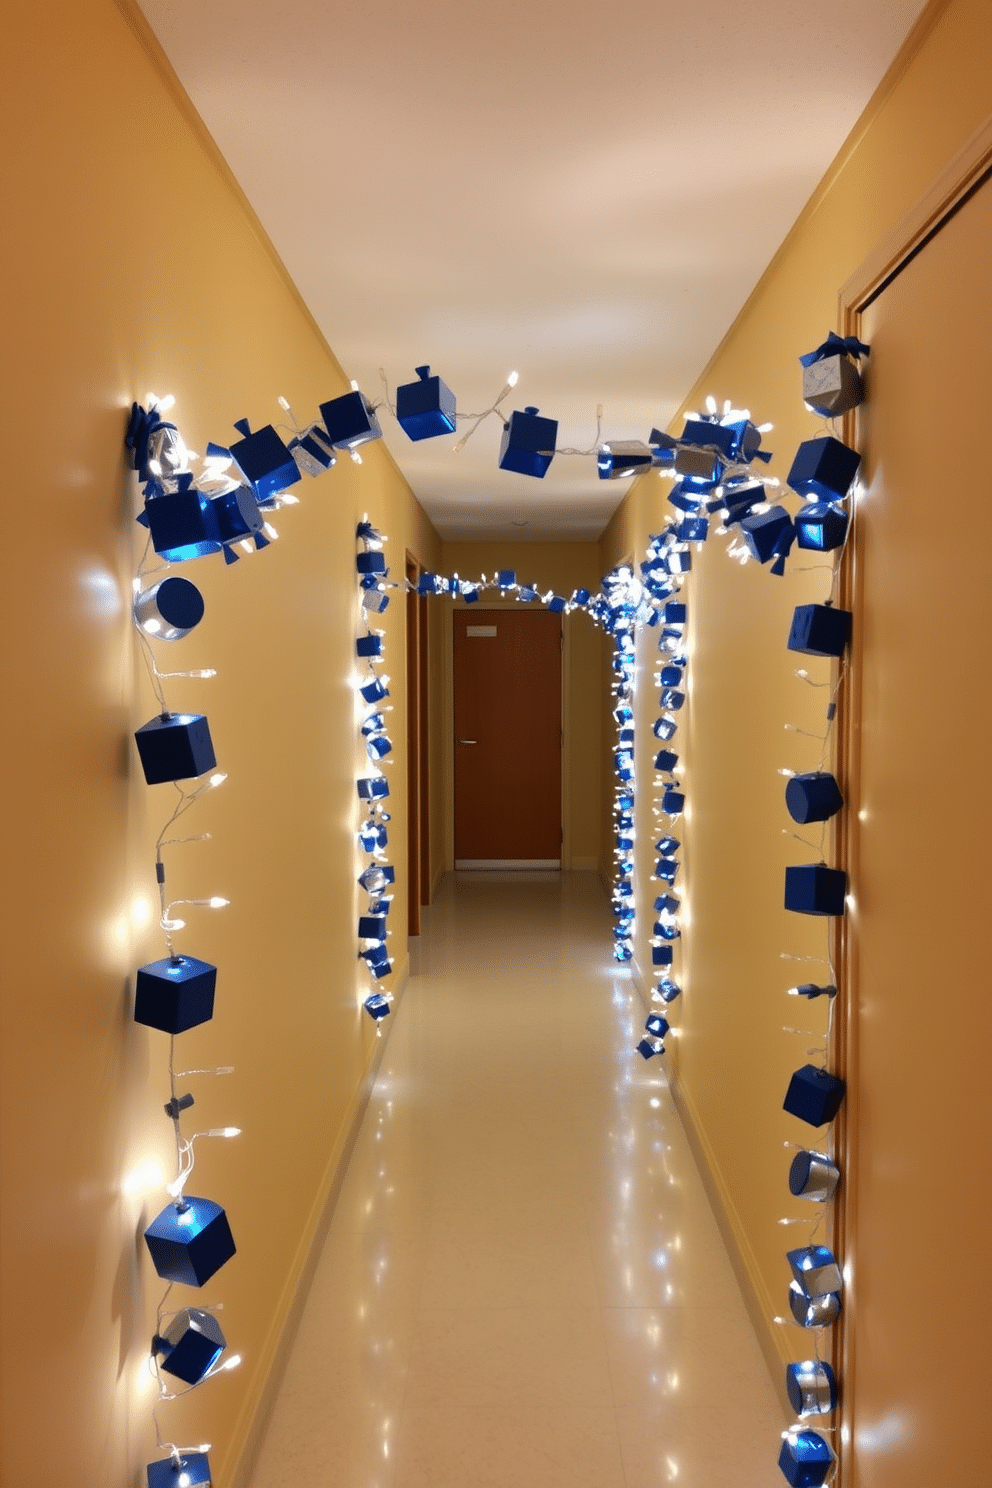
{"x": 507, "y": 670}
{"x": 917, "y": 1206}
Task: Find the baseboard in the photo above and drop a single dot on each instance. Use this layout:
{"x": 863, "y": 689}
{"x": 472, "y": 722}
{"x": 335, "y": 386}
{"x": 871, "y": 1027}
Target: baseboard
{"x": 760, "y": 1307}
{"x": 256, "y": 1411}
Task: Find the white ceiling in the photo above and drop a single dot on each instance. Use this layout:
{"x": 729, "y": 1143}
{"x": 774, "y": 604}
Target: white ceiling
{"x": 586, "y": 196}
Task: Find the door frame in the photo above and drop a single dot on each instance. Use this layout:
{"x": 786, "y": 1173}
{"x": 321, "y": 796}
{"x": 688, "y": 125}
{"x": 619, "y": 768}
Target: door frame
{"x": 500, "y": 603}
{"x": 960, "y": 179}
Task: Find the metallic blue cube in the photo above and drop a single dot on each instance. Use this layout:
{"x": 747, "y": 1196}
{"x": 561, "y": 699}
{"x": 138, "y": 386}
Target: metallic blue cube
{"x": 183, "y": 525}
{"x": 657, "y": 1026}
{"x": 670, "y": 676}
{"x": 369, "y": 645}
{"x": 350, "y": 420}
{"x": 370, "y": 563}
{"x": 425, "y": 408}
{"x": 236, "y": 514}
{"x": 377, "y": 1006}
{"x": 372, "y": 927}
{"x": 815, "y": 889}
{"x": 175, "y": 993}
{"x": 312, "y": 451}
{"x": 175, "y": 746}
{"x": 763, "y": 532}
{"x": 821, "y": 526}
{"x": 813, "y": 1095}
{"x": 665, "y": 760}
{"x": 649, "y": 1047}
{"x": 374, "y": 691}
{"x": 675, "y": 613}
{"x": 265, "y": 460}
{"x": 667, "y": 845}
{"x": 189, "y": 1470}
{"x": 668, "y": 991}
{"x": 819, "y": 630}
{"x": 662, "y": 955}
{"x": 824, "y": 468}
{"x": 815, "y": 1268}
{"x": 813, "y": 1312}
{"x": 666, "y": 869}
{"x": 528, "y": 443}
{"x": 190, "y": 1243}
{"x": 191, "y": 1345}
{"x": 813, "y": 797}
{"x": 700, "y": 467}
{"x": 622, "y": 458}
{"x": 806, "y": 1459}
{"x": 373, "y": 787}
{"x": 694, "y": 529}
{"x": 671, "y": 698}
{"x": 673, "y": 802}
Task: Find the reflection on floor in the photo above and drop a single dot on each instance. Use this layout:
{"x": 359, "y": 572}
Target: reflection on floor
{"x": 523, "y": 1285}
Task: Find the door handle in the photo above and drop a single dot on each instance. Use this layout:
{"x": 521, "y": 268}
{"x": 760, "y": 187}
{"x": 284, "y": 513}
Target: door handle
{"x": 468, "y": 741}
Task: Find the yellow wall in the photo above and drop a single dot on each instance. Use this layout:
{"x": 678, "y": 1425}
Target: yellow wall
{"x": 734, "y": 1059}
{"x": 564, "y": 567}
{"x": 130, "y": 263}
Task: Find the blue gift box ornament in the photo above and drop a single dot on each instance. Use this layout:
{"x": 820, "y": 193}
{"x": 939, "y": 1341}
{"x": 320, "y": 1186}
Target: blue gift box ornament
{"x": 189, "y": 1241}
{"x": 806, "y": 1459}
{"x": 175, "y": 993}
{"x": 824, "y": 468}
{"x": 191, "y": 1345}
{"x": 812, "y": 797}
{"x": 350, "y": 420}
{"x": 649, "y": 1047}
{"x": 238, "y": 517}
{"x": 182, "y": 523}
{"x": 377, "y": 1006}
{"x": 821, "y": 526}
{"x": 814, "y": 1095}
{"x": 264, "y": 460}
{"x": 425, "y": 408}
{"x": 184, "y": 1470}
{"x": 763, "y": 532}
{"x": 373, "y": 787}
{"x": 528, "y": 443}
{"x": 819, "y": 630}
{"x": 175, "y": 746}
{"x": 815, "y": 889}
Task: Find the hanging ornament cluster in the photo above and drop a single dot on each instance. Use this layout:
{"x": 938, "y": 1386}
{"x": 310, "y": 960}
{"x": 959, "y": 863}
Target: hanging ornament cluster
{"x": 824, "y": 472}
{"x": 190, "y": 1239}
{"x": 372, "y": 685}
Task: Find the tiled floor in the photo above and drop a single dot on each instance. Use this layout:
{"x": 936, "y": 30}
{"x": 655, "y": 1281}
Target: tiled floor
{"x": 523, "y": 1285}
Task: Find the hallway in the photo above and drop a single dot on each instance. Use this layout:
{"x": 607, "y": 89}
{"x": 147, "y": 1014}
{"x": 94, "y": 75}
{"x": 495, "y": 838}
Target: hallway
{"x": 523, "y": 1285}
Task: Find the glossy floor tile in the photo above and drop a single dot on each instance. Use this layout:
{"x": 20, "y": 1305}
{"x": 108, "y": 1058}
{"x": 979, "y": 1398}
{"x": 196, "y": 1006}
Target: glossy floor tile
{"x": 523, "y": 1285}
